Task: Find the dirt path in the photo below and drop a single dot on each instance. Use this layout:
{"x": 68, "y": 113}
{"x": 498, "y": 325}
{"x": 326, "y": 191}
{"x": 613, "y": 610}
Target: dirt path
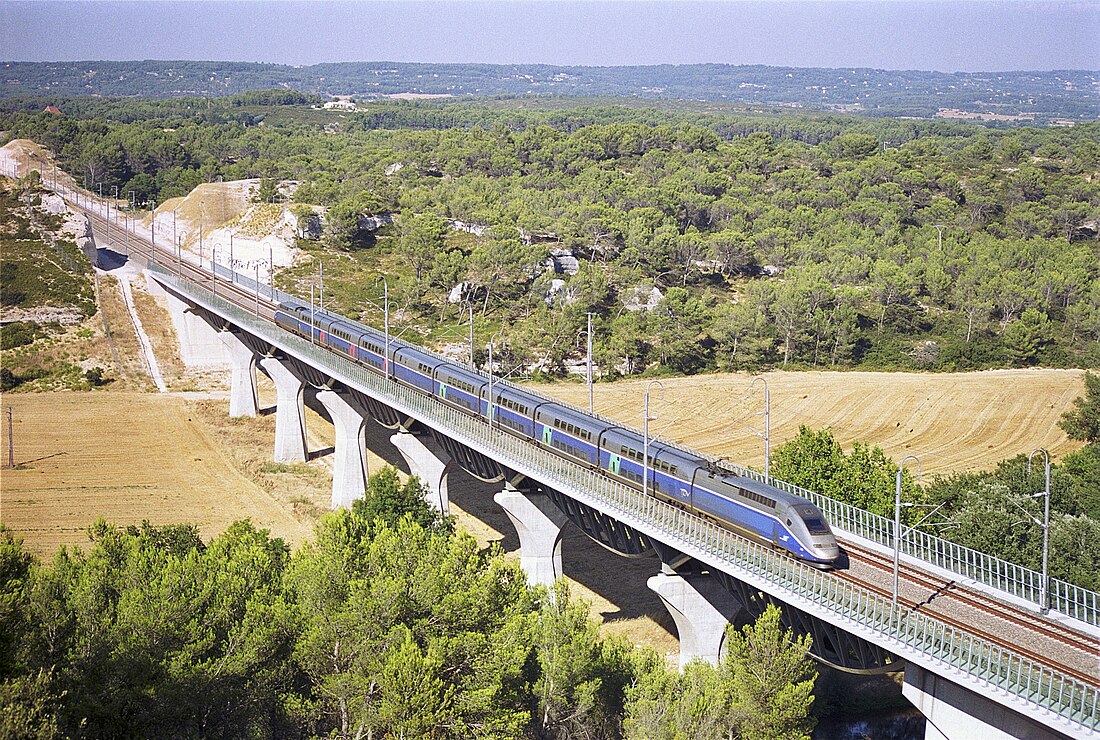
{"x": 146, "y": 347}
{"x": 952, "y": 422}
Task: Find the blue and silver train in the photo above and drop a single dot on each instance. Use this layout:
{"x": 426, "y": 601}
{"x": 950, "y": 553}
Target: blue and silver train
{"x": 756, "y": 510}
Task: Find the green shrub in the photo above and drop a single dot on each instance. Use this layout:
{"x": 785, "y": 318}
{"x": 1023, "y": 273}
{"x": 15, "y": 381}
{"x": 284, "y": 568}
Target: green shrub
{"x": 19, "y": 333}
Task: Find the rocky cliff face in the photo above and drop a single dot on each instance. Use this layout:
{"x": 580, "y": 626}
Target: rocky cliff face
{"x": 74, "y": 226}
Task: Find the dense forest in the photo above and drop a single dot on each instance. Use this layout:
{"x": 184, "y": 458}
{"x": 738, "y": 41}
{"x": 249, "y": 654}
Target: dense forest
{"x": 1041, "y": 96}
{"x": 754, "y": 242}
{"x": 387, "y": 624}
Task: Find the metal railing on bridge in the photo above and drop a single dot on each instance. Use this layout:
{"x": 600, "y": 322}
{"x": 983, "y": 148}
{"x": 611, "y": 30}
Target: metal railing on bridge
{"x": 908, "y": 633}
{"x": 1066, "y": 598}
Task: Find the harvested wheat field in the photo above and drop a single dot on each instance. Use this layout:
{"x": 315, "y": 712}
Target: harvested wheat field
{"x": 952, "y": 422}
{"x": 125, "y": 457}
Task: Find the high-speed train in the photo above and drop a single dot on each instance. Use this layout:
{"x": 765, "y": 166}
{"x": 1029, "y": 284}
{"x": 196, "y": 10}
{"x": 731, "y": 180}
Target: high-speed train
{"x": 756, "y": 510}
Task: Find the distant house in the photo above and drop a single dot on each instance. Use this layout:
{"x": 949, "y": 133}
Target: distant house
{"x": 52, "y": 109}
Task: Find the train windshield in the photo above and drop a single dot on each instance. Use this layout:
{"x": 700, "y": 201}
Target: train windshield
{"x": 815, "y": 523}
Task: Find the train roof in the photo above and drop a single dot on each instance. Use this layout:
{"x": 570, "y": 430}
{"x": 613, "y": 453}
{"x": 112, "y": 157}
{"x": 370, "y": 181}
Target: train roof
{"x": 563, "y": 411}
{"x": 751, "y": 484}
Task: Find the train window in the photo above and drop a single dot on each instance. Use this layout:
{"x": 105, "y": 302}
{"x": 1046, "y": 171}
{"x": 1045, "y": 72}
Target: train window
{"x": 816, "y": 525}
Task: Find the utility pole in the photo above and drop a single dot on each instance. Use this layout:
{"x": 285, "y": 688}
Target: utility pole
{"x": 897, "y": 519}
{"x": 646, "y": 418}
{"x": 11, "y": 443}
{"x": 590, "y": 364}
{"x": 767, "y": 424}
{"x": 1044, "y": 589}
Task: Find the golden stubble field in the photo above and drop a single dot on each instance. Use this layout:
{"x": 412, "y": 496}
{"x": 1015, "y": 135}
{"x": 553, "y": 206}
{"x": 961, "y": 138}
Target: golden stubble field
{"x": 951, "y": 422}
{"x": 125, "y": 456}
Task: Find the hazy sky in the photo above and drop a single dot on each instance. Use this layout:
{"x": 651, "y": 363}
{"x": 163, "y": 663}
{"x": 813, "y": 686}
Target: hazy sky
{"x": 946, "y": 35}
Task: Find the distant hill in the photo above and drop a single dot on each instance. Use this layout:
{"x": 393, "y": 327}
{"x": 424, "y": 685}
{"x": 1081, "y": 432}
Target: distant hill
{"x": 1037, "y": 96}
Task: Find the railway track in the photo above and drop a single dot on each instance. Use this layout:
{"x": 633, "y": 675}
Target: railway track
{"x": 140, "y": 246}
{"x": 1032, "y": 635}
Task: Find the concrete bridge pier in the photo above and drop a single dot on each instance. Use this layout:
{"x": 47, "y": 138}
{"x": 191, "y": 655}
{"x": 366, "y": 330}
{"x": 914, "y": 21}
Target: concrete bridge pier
{"x": 199, "y": 343}
{"x": 349, "y": 466}
{"x": 428, "y": 462}
{"x": 242, "y": 389}
{"x": 701, "y": 608}
{"x": 956, "y": 713}
{"x": 538, "y": 522}
{"x": 290, "y": 417}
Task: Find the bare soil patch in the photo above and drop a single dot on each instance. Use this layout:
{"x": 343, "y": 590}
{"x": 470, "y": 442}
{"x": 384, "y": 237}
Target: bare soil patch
{"x": 952, "y": 422}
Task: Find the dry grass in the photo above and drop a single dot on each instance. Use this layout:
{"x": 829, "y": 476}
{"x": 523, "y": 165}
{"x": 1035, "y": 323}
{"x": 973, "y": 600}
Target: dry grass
{"x": 259, "y": 220}
{"x": 952, "y": 422}
{"x": 157, "y": 324}
{"x": 126, "y": 457}
{"x": 303, "y": 489}
{"x": 209, "y": 206}
{"x": 130, "y": 370}
{"x": 87, "y": 345}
